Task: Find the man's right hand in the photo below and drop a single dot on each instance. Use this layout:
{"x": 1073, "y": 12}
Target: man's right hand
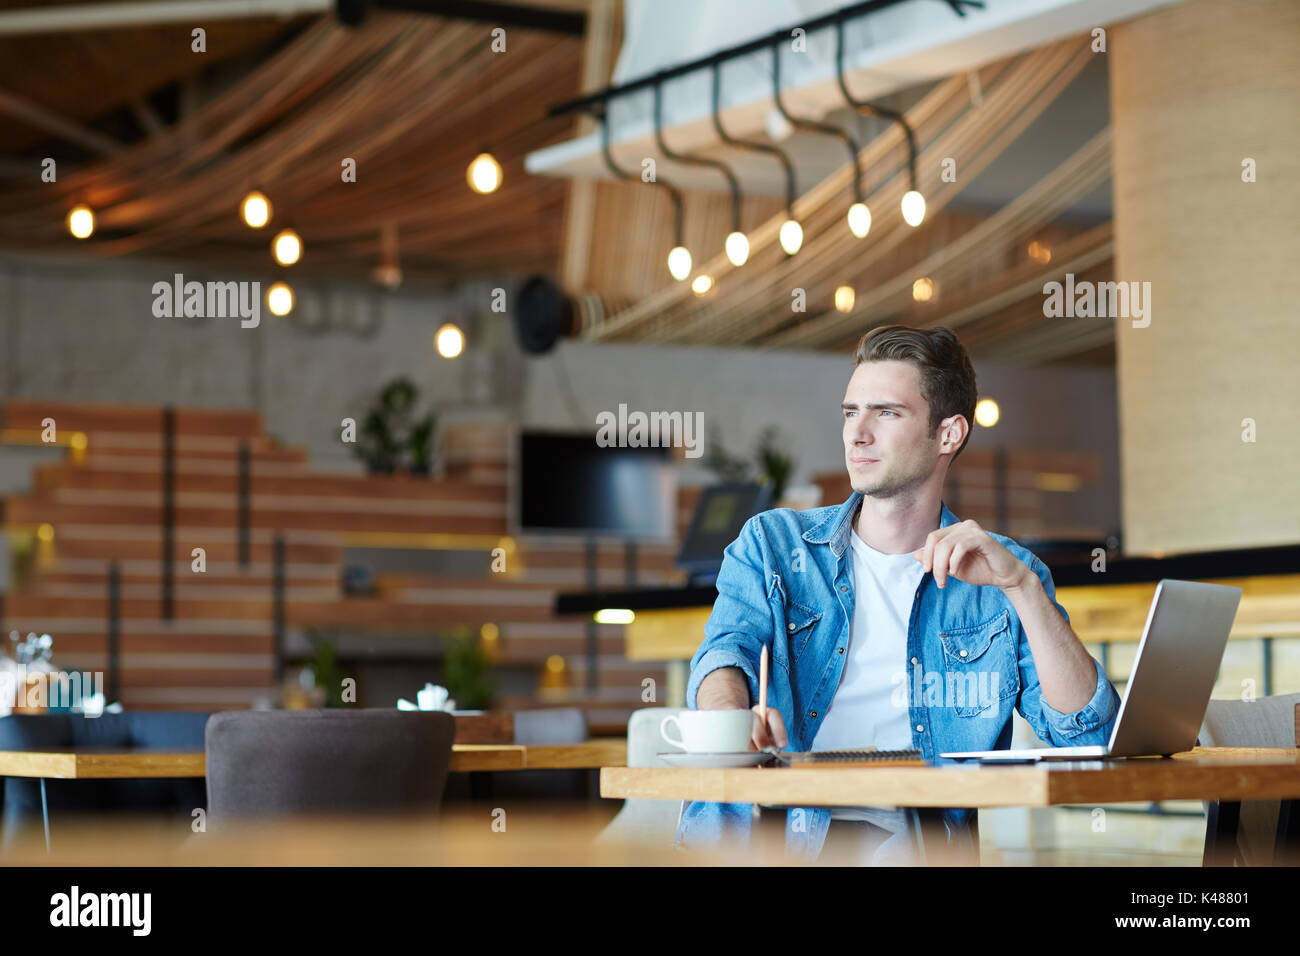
{"x": 773, "y": 735}
{"x": 727, "y": 689}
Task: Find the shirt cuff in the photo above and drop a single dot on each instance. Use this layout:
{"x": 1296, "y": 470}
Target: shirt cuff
{"x": 711, "y": 661}
{"x": 1097, "y": 712}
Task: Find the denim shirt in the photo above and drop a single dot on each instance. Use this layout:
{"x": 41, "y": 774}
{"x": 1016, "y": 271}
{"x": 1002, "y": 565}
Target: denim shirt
{"x": 787, "y": 583}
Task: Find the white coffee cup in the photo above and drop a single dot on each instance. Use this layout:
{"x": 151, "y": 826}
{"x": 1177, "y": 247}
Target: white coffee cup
{"x": 711, "y": 731}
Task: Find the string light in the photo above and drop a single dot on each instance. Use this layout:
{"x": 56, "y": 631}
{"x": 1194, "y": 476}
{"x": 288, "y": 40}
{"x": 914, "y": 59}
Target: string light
{"x": 702, "y": 284}
{"x": 484, "y": 174}
{"x": 844, "y": 298}
{"x": 679, "y": 262}
{"x": 81, "y": 221}
{"x": 987, "y": 412}
{"x": 255, "y": 210}
{"x": 913, "y": 206}
{"x": 923, "y": 289}
{"x": 286, "y": 247}
{"x": 859, "y": 220}
{"x": 737, "y": 246}
{"x": 791, "y": 236}
{"x": 279, "y": 298}
{"x": 450, "y": 340}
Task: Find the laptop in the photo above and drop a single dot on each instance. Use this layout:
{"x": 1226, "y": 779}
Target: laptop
{"x": 1173, "y": 675}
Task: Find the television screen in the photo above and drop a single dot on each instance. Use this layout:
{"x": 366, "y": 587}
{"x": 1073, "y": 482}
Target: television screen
{"x": 567, "y": 482}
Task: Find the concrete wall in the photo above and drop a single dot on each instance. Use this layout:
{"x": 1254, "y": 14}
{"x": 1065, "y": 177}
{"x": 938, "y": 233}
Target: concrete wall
{"x": 88, "y": 333}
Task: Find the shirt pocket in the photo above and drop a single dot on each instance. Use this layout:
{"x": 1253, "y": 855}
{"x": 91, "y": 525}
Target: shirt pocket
{"x": 980, "y": 664}
{"x": 798, "y": 622}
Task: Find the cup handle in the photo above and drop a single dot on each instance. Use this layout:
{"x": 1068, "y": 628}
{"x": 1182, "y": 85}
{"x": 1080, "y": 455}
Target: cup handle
{"x": 663, "y": 731}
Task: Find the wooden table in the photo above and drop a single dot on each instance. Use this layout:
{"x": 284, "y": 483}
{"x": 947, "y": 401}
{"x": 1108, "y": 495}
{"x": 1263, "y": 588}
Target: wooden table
{"x": 90, "y": 763}
{"x": 1227, "y": 774}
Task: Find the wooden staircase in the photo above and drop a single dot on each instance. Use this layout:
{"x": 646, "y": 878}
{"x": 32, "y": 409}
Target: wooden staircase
{"x": 217, "y": 651}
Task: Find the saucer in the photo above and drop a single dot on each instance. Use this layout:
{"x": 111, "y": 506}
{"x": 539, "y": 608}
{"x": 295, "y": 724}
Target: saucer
{"x": 749, "y": 758}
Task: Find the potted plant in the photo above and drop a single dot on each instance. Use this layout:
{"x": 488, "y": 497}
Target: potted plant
{"x": 390, "y": 438}
{"x": 467, "y": 671}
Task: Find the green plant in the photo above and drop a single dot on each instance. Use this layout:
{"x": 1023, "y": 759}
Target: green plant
{"x": 390, "y": 436}
{"x": 325, "y": 667}
{"x": 467, "y": 671}
{"x": 771, "y": 462}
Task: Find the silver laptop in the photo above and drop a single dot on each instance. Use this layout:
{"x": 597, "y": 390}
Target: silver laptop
{"x": 1173, "y": 676}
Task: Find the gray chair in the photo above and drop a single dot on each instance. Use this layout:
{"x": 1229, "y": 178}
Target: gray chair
{"x": 272, "y": 763}
{"x": 642, "y": 821}
{"x": 1249, "y": 832}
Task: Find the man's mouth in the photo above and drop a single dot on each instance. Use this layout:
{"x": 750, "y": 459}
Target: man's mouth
{"x": 864, "y": 461}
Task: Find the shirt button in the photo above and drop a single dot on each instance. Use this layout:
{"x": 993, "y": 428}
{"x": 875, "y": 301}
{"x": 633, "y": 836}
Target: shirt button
{"x": 920, "y": 728}
{"x": 790, "y": 626}
{"x": 961, "y": 653}
{"x": 915, "y": 661}
{"x": 841, "y": 650}
{"x": 814, "y": 713}
{"x": 844, "y": 587}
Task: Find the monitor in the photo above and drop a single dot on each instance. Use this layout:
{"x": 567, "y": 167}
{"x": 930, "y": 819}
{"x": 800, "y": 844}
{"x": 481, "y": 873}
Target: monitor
{"x": 719, "y": 515}
{"x": 568, "y": 483}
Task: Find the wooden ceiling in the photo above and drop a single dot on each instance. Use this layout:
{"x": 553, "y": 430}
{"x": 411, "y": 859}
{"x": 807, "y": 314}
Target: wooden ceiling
{"x": 164, "y": 142}
{"x": 279, "y": 106}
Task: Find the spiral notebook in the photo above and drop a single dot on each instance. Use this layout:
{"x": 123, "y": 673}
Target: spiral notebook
{"x": 864, "y": 756}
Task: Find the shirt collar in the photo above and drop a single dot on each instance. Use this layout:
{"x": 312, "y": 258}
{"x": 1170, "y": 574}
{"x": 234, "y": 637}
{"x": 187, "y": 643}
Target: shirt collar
{"x": 838, "y": 524}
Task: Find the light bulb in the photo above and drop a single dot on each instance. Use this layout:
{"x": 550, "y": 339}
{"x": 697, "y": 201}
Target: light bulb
{"x": 737, "y": 246}
{"x": 450, "y": 341}
{"x": 859, "y": 219}
{"x": 791, "y": 236}
{"x": 923, "y": 289}
{"x": 701, "y": 284}
{"x": 679, "y": 262}
{"x": 913, "y": 207}
{"x": 279, "y": 299}
{"x": 484, "y": 174}
{"x": 286, "y": 247}
{"x": 986, "y": 412}
{"x": 255, "y": 210}
{"x": 844, "y": 298}
{"x": 81, "y": 221}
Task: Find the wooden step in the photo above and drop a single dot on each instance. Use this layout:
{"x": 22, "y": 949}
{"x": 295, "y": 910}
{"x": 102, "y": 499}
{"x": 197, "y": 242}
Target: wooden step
{"x": 467, "y": 519}
{"x": 91, "y": 417}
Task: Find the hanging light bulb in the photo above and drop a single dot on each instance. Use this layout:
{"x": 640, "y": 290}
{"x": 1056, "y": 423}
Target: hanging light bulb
{"x": 255, "y": 210}
{"x": 986, "y": 412}
{"x": 484, "y": 174}
{"x": 286, "y": 247}
{"x": 844, "y": 298}
{"x": 279, "y": 299}
{"x": 679, "y": 262}
{"x": 913, "y": 207}
{"x": 81, "y": 221}
{"x": 737, "y": 246}
{"x": 791, "y": 236}
{"x": 450, "y": 340}
{"x": 701, "y": 284}
{"x": 859, "y": 219}
{"x": 923, "y": 289}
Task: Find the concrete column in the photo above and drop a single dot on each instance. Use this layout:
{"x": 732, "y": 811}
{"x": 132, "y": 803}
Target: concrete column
{"x": 1198, "y": 89}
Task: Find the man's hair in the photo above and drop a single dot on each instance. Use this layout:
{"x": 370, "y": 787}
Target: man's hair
{"x": 947, "y": 378}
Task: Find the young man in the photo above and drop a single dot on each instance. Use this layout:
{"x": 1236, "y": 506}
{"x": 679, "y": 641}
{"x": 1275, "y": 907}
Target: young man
{"x": 888, "y": 621}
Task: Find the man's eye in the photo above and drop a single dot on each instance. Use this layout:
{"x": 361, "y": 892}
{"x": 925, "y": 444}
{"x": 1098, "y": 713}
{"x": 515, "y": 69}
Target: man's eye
{"x": 886, "y": 411}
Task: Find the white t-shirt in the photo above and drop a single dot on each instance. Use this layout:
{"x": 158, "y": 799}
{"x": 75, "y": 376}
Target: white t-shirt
{"x": 863, "y": 713}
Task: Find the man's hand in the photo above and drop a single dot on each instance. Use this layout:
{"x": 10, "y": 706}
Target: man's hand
{"x": 969, "y": 553}
{"x": 727, "y": 689}
{"x": 773, "y": 735}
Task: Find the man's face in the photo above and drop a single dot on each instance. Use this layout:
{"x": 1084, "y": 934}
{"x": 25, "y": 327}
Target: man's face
{"x": 888, "y": 446}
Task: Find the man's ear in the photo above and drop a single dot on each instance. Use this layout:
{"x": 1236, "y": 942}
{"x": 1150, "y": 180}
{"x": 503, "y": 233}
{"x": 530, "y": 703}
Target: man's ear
{"x": 952, "y": 431}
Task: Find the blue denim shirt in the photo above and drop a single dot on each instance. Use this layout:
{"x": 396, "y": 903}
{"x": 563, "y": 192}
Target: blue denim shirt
{"x": 787, "y": 583}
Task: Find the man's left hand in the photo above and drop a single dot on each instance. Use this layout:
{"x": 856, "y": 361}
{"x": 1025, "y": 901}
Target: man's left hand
{"x": 969, "y": 553}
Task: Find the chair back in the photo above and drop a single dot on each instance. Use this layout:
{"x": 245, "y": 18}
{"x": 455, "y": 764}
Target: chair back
{"x": 271, "y": 763}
